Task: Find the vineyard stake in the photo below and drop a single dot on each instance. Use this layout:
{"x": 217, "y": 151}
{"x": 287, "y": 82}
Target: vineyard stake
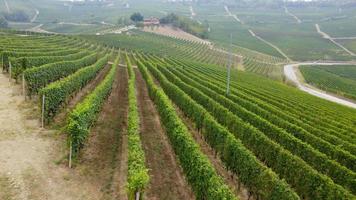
{"x": 70, "y": 154}
{"x": 229, "y": 68}
{"x": 43, "y": 107}
{"x": 10, "y": 71}
{"x": 137, "y": 196}
{"x": 23, "y": 85}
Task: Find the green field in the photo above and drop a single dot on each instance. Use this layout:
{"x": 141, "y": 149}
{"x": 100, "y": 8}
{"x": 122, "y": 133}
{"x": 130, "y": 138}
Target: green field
{"x": 278, "y": 142}
{"x": 340, "y": 80}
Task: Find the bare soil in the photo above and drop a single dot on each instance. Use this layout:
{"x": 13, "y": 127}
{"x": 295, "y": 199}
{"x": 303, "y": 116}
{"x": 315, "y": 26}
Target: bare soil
{"x": 104, "y": 158}
{"x": 175, "y": 33}
{"x": 29, "y": 168}
{"x": 166, "y": 177}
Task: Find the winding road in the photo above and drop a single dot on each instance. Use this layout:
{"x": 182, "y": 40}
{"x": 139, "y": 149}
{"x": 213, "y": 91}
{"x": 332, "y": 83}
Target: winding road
{"x": 292, "y": 15}
{"x": 232, "y": 15}
{"x": 35, "y": 16}
{"x": 290, "y": 71}
{"x": 7, "y": 6}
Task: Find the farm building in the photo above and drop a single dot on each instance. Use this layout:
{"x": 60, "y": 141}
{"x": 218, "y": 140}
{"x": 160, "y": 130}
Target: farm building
{"x": 151, "y": 21}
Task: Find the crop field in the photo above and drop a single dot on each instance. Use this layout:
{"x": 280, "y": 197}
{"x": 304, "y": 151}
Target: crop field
{"x": 157, "y": 123}
{"x": 96, "y": 105}
{"x": 340, "y": 80}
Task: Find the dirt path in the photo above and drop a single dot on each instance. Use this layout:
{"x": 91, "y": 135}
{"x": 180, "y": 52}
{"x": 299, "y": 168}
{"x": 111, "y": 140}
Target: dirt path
{"x": 270, "y": 44}
{"x": 7, "y": 6}
{"x": 29, "y": 156}
{"x": 166, "y": 177}
{"x": 292, "y": 15}
{"x": 193, "y": 15}
{"x": 256, "y": 36}
{"x": 326, "y": 36}
{"x": 290, "y": 72}
{"x": 232, "y": 15}
{"x": 104, "y": 157}
{"x": 39, "y": 29}
{"x": 35, "y": 16}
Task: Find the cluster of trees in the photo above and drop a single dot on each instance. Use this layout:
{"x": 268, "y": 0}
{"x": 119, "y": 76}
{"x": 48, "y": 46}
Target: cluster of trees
{"x": 186, "y": 24}
{"x": 3, "y": 22}
{"x": 17, "y": 16}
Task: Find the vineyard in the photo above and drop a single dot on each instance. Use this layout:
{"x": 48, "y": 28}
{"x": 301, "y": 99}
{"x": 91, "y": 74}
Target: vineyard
{"x": 243, "y": 59}
{"x": 171, "y": 131}
{"x": 340, "y": 80}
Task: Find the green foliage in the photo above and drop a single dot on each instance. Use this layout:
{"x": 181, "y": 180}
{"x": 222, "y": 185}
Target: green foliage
{"x": 7, "y": 54}
{"x": 319, "y": 161}
{"x": 236, "y": 157}
{"x": 136, "y": 17}
{"x": 58, "y": 92}
{"x": 305, "y": 182}
{"x": 336, "y": 79}
{"x": 3, "y": 22}
{"x": 84, "y": 115}
{"x": 37, "y": 78}
{"x": 138, "y": 177}
{"x": 17, "y": 16}
{"x": 200, "y": 173}
{"x": 22, "y": 63}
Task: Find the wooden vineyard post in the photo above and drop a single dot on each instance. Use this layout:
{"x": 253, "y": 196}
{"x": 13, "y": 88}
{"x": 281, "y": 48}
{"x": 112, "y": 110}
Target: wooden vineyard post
{"x": 10, "y": 71}
{"x": 43, "y": 110}
{"x": 23, "y": 86}
{"x": 137, "y": 196}
{"x": 2, "y": 62}
{"x": 70, "y": 154}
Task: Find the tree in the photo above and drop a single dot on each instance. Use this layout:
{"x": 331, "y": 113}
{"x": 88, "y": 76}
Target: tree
{"x": 124, "y": 21}
{"x": 17, "y": 16}
{"x": 136, "y": 17}
{"x": 3, "y": 22}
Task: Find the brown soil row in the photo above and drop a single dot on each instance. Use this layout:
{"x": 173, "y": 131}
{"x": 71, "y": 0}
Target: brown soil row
{"x": 166, "y": 177}
{"x": 105, "y": 156}
{"x": 61, "y": 118}
{"x": 230, "y": 179}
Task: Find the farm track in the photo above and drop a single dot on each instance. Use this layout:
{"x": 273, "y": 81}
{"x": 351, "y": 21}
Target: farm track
{"x": 232, "y": 15}
{"x": 29, "y": 154}
{"x": 326, "y": 36}
{"x": 7, "y": 6}
{"x": 290, "y": 73}
{"x": 219, "y": 166}
{"x": 104, "y": 158}
{"x": 254, "y": 34}
{"x": 35, "y": 16}
{"x": 270, "y": 44}
{"x": 292, "y": 15}
{"x": 166, "y": 177}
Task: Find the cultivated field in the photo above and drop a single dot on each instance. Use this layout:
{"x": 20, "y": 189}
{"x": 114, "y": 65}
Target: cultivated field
{"x": 93, "y": 107}
{"x": 133, "y": 120}
{"x": 340, "y": 80}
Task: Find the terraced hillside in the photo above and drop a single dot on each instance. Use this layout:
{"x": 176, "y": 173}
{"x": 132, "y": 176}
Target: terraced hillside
{"x": 151, "y": 118}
